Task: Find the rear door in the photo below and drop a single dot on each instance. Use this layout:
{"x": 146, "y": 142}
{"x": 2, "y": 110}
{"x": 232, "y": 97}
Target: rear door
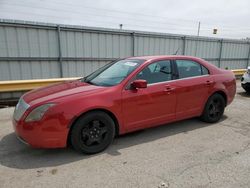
{"x": 192, "y": 88}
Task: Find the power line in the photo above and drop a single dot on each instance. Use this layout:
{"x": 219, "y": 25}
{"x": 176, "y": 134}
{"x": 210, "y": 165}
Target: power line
{"x": 96, "y": 15}
{"x": 127, "y": 22}
{"x": 77, "y": 13}
{"x": 81, "y": 5}
{"x": 96, "y": 21}
{"x": 113, "y": 10}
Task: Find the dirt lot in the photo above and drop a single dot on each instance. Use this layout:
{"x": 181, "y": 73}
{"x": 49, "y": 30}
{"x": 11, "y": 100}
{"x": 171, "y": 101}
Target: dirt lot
{"x": 183, "y": 154}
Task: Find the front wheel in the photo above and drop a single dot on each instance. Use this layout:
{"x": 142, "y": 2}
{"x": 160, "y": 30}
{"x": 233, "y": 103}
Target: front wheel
{"x": 214, "y": 109}
{"x": 93, "y": 132}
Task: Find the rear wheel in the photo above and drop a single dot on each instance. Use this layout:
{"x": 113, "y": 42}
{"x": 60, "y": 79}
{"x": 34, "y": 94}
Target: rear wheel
{"x": 214, "y": 109}
{"x": 93, "y": 132}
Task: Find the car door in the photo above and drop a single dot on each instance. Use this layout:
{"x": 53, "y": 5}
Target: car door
{"x": 192, "y": 88}
{"x": 153, "y": 105}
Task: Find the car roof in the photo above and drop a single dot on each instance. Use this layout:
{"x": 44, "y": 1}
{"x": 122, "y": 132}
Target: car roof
{"x": 156, "y": 57}
{"x": 212, "y": 68}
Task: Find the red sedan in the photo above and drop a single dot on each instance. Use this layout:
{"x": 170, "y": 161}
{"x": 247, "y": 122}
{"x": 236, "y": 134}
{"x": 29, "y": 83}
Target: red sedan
{"x": 121, "y": 97}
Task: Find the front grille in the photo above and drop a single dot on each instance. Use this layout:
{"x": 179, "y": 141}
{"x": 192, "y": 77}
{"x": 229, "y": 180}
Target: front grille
{"x": 20, "y": 109}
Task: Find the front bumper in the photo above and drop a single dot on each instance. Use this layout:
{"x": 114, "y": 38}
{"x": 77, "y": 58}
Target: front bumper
{"x": 245, "y": 78}
{"x": 40, "y": 135}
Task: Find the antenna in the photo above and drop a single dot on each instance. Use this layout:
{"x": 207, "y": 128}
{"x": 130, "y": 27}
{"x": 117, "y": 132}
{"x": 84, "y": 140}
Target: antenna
{"x": 176, "y": 51}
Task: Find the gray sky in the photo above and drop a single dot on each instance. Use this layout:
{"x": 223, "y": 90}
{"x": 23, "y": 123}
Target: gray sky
{"x": 230, "y": 17}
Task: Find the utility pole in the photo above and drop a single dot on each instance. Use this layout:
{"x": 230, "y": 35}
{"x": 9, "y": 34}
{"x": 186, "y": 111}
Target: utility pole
{"x": 199, "y": 27}
{"x": 198, "y": 34}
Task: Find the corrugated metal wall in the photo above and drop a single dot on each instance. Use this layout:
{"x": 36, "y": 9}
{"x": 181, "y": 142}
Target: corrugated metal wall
{"x": 151, "y": 45}
{"x": 37, "y": 50}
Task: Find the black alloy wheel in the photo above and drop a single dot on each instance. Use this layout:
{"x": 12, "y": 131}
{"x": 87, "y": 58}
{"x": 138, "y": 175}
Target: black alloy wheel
{"x": 93, "y": 132}
{"x": 214, "y": 108}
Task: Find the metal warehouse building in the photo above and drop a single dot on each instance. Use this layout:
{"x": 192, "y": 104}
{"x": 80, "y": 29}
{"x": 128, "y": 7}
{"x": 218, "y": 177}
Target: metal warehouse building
{"x": 37, "y": 50}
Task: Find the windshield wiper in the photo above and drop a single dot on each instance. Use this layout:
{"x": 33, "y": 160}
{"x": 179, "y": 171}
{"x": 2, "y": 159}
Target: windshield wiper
{"x": 89, "y": 82}
{"x": 83, "y": 79}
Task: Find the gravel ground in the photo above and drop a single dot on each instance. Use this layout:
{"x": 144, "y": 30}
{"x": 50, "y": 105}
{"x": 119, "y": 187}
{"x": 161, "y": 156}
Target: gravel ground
{"x": 183, "y": 154}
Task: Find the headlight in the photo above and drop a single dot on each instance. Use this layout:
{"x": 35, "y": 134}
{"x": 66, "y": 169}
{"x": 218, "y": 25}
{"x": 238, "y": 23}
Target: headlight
{"x": 37, "y": 113}
{"x": 20, "y": 109}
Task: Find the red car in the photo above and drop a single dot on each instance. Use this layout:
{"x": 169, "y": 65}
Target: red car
{"x": 121, "y": 97}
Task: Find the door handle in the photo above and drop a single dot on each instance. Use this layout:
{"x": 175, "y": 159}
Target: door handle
{"x": 209, "y": 83}
{"x": 169, "y": 89}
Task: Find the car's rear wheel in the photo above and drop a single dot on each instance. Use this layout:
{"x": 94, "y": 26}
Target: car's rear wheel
{"x": 214, "y": 109}
{"x": 93, "y": 132}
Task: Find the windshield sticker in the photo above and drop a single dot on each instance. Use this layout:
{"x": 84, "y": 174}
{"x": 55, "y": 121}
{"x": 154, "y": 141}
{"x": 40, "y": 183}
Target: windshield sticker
{"x": 132, "y": 64}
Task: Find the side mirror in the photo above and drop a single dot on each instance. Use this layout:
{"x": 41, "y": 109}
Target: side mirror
{"x": 139, "y": 84}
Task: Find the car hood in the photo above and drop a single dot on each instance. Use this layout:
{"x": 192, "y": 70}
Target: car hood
{"x": 56, "y": 91}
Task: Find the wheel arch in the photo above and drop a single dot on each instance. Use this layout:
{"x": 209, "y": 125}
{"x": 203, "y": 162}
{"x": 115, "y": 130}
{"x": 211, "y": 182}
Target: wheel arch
{"x": 222, "y": 93}
{"x": 111, "y": 114}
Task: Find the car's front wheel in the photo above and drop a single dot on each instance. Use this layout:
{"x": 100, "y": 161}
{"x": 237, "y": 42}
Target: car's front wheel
{"x": 93, "y": 132}
{"x": 214, "y": 108}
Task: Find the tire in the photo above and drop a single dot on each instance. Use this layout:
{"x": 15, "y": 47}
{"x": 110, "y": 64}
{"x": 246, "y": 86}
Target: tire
{"x": 247, "y": 89}
{"x": 92, "y": 133}
{"x": 214, "y": 109}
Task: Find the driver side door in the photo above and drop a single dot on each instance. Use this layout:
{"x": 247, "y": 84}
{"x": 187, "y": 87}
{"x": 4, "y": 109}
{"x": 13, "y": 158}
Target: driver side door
{"x": 154, "y": 105}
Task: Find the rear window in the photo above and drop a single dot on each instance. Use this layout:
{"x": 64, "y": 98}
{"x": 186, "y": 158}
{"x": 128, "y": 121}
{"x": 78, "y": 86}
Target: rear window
{"x": 204, "y": 70}
{"x": 187, "y": 68}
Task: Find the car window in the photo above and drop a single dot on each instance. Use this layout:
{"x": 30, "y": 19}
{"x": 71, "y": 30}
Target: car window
{"x": 204, "y": 70}
{"x": 113, "y": 73}
{"x": 159, "y": 71}
{"x": 188, "y": 68}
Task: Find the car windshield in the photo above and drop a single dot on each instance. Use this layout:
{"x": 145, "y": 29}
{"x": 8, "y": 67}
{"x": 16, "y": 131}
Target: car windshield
{"x": 113, "y": 73}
